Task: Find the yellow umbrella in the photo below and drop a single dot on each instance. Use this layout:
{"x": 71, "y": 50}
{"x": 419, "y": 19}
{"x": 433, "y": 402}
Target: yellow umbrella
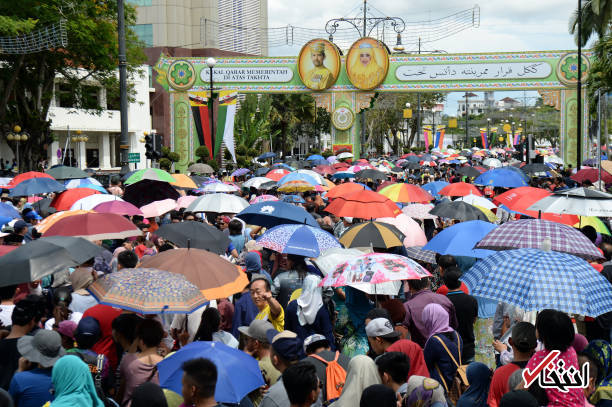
{"x": 183, "y": 181}
{"x": 296, "y": 186}
{"x": 490, "y": 215}
{"x": 594, "y": 221}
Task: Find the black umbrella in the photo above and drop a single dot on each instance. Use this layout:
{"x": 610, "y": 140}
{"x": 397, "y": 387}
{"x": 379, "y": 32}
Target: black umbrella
{"x": 45, "y": 256}
{"x": 199, "y": 180}
{"x": 42, "y": 207}
{"x": 260, "y": 172}
{"x": 372, "y": 234}
{"x": 535, "y": 168}
{"x": 195, "y": 234}
{"x": 458, "y": 210}
{"x": 370, "y": 174}
{"x": 468, "y": 171}
{"x": 411, "y": 165}
{"x": 146, "y": 191}
{"x": 64, "y": 172}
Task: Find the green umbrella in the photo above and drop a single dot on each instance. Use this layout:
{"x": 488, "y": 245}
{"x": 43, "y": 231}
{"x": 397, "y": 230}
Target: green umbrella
{"x": 65, "y": 172}
{"x": 152, "y": 174}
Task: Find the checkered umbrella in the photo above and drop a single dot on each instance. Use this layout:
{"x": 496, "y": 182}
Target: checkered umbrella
{"x": 532, "y": 233}
{"x": 534, "y": 280}
{"x": 417, "y": 253}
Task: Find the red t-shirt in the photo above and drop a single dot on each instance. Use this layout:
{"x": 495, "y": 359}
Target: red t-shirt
{"x": 443, "y": 290}
{"x": 415, "y": 355}
{"x": 105, "y": 315}
{"x": 499, "y": 382}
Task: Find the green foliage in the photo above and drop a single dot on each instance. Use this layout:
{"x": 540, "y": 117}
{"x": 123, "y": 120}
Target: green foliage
{"x": 600, "y": 75}
{"x": 241, "y": 150}
{"x": 202, "y": 153}
{"x": 314, "y": 151}
{"x": 327, "y": 153}
{"x": 252, "y": 123}
{"x": 165, "y": 164}
{"x": 290, "y": 110}
{"x": 242, "y": 161}
{"x": 214, "y": 164}
{"x": 229, "y": 166}
{"x": 11, "y": 26}
{"x": 252, "y": 152}
{"x": 165, "y": 151}
{"x": 596, "y": 20}
{"x": 227, "y": 155}
{"x": 174, "y": 157}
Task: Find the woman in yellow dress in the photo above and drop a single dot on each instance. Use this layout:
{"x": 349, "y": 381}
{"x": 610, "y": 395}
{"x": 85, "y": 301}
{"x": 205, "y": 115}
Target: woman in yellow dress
{"x": 366, "y": 73}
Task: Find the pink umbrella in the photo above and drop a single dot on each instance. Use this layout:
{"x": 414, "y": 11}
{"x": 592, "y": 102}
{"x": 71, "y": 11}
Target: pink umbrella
{"x": 263, "y": 198}
{"x": 158, "y": 208}
{"x": 118, "y": 207}
{"x": 185, "y": 201}
{"x": 419, "y": 211}
{"x": 415, "y": 236}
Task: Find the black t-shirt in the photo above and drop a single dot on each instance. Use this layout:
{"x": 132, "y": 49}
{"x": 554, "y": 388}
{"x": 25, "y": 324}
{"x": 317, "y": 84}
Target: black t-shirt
{"x": 9, "y": 361}
{"x": 466, "y": 308}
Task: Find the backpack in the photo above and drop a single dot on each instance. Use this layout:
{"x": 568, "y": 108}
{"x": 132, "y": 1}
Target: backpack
{"x": 95, "y": 364}
{"x": 460, "y": 383}
{"x": 335, "y": 376}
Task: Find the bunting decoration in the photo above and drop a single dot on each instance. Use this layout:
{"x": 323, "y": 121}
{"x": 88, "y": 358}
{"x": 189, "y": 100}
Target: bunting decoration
{"x": 226, "y": 113}
{"x": 440, "y": 138}
{"x": 428, "y": 136}
{"x": 484, "y": 136}
{"x": 201, "y": 118}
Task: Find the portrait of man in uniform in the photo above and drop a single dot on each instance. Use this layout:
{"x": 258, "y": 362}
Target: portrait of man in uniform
{"x": 319, "y": 64}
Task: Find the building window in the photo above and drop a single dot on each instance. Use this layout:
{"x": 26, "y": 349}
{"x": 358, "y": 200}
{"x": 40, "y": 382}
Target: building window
{"x": 65, "y": 96}
{"x": 112, "y": 99}
{"x": 141, "y": 3}
{"x": 90, "y": 97}
{"x": 144, "y": 32}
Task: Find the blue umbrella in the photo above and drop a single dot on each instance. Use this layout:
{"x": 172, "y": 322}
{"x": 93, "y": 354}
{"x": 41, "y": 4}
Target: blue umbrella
{"x": 267, "y": 155}
{"x": 8, "y": 211}
{"x": 319, "y": 162}
{"x": 315, "y": 157}
{"x": 293, "y": 199}
{"x": 270, "y": 214}
{"x": 283, "y": 165}
{"x": 85, "y": 183}
{"x": 413, "y": 158}
{"x": 237, "y": 373}
{"x": 534, "y": 280}
{"x": 35, "y": 186}
{"x": 435, "y": 187}
{"x": 301, "y": 240}
{"x": 367, "y": 188}
{"x": 4, "y": 220}
{"x": 343, "y": 175}
{"x": 501, "y": 177}
{"x": 460, "y": 239}
{"x": 298, "y": 176}
{"x": 260, "y": 172}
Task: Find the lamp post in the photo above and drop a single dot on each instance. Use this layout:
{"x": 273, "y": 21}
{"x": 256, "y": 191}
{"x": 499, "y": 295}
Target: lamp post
{"x": 488, "y": 129}
{"x": 467, "y": 119}
{"x": 406, "y": 133}
{"x": 17, "y": 135}
{"x": 211, "y": 62}
{"x": 77, "y": 140}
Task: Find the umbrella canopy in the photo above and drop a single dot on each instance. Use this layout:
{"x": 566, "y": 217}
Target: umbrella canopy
{"x": 276, "y": 175}
{"x": 263, "y": 198}
{"x": 414, "y": 234}
{"x": 195, "y": 234}
{"x": 468, "y": 171}
{"x": 218, "y": 203}
{"x": 477, "y": 201}
{"x": 492, "y": 162}
{"x": 230, "y": 387}
{"x": 219, "y": 187}
{"x": 534, "y": 280}
{"x": 90, "y": 183}
{"x": 501, "y": 177}
{"x": 51, "y": 219}
{"x": 62, "y": 172}
{"x": 89, "y": 202}
{"x": 42, "y": 206}
{"x": 300, "y": 176}
{"x": 152, "y": 174}
{"x": 331, "y": 258}
{"x": 118, "y": 207}
{"x": 296, "y": 199}
{"x": 592, "y": 174}
{"x": 315, "y": 157}
{"x": 419, "y": 211}
{"x": 8, "y": 211}
{"x": 344, "y": 189}
{"x": 212, "y": 274}
{"x": 147, "y": 191}
{"x": 185, "y": 201}
{"x": 259, "y": 183}
{"x": 200, "y": 168}
{"x": 460, "y": 239}
{"x": 375, "y": 268}
{"x": 435, "y": 187}
{"x": 406, "y": 193}
{"x": 594, "y": 221}
{"x": 147, "y": 291}
{"x": 267, "y": 155}
{"x": 520, "y": 199}
{"x": 535, "y": 168}
{"x": 65, "y": 200}
{"x": 240, "y": 172}
{"x": 36, "y": 186}
{"x": 324, "y": 169}
{"x": 363, "y": 205}
{"x": 458, "y": 210}
{"x": 19, "y": 178}
{"x": 183, "y": 181}
{"x": 592, "y": 203}
{"x": 301, "y": 240}
{"x": 371, "y": 174}
{"x": 532, "y": 233}
{"x": 296, "y": 186}
{"x": 417, "y": 253}
{"x": 158, "y": 208}
{"x": 460, "y": 189}
{"x": 94, "y": 226}
{"x": 344, "y": 155}
{"x": 45, "y": 256}
{"x": 372, "y": 234}
{"x": 269, "y": 214}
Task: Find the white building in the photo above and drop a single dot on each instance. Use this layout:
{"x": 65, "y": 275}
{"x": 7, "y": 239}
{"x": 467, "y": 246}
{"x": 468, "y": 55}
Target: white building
{"x": 508, "y": 103}
{"x": 475, "y": 106}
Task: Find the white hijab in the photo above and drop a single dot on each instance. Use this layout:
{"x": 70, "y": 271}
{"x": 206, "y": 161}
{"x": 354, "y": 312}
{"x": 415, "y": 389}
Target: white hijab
{"x": 361, "y": 374}
{"x": 310, "y": 301}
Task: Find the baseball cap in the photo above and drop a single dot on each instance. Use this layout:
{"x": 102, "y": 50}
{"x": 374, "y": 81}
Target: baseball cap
{"x": 67, "y": 328}
{"x": 524, "y": 336}
{"x": 286, "y": 344}
{"x": 19, "y": 224}
{"x": 87, "y": 326}
{"x": 313, "y": 339}
{"x": 257, "y": 330}
{"x": 44, "y": 348}
{"x": 381, "y": 327}
{"x": 32, "y": 215}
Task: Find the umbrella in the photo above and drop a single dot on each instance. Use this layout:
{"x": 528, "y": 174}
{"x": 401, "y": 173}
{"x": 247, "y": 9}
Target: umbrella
{"x": 578, "y": 201}
{"x": 195, "y": 234}
{"x": 263, "y": 198}
{"x": 301, "y": 240}
{"x": 302, "y": 177}
{"x": 344, "y": 189}
{"x": 42, "y": 206}
{"x": 414, "y": 235}
{"x": 296, "y": 186}
{"x": 269, "y": 214}
{"x": 592, "y": 174}
{"x": 344, "y": 155}
{"x": 417, "y": 253}
{"x": 51, "y": 219}
{"x": 152, "y": 174}
{"x": 147, "y": 191}
{"x": 284, "y": 166}
{"x": 520, "y": 199}
{"x": 594, "y": 221}
{"x": 501, "y": 177}
{"x": 534, "y": 280}
{"x": 212, "y": 274}
{"x": 372, "y": 234}
{"x": 4, "y": 249}
{"x": 45, "y": 256}
{"x": 200, "y": 168}
{"x": 535, "y": 168}
{"x": 240, "y": 172}
{"x": 419, "y": 211}
{"x": 185, "y": 201}
{"x": 35, "y": 186}
{"x": 267, "y": 155}
{"x": 219, "y": 187}
{"x": 147, "y": 291}
{"x": 62, "y": 172}
{"x": 90, "y": 183}
{"x": 468, "y": 171}
{"x": 331, "y": 258}
{"x": 363, "y": 205}
{"x": 65, "y": 200}
{"x": 460, "y": 239}
{"x": 4, "y": 181}
{"x": 259, "y": 183}
{"x": 19, "y": 178}
{"x": 532, "y": 233}
{"x": 406, "y": 193}
{"x": 315, "y": 157}
{"x": 158, "y": 208}
{"x": 276, "y": 175}
{"x": 93, "y": 200}
{"x": 218, "y": 203}
{"x": 458, "y": 210}
{"x": 94, "y": 226}
{"x": 460, "y": 189}
{"x": 477, "y": 201}
{"x": 319, "y": 179}
{"x": 371, "y": 174}
{"x": 238, "y": 373}
{"x": 118, "y": 207}
{"x": 183, "y": 181}
{"x": 375, "y": 268}
{"x": 324, "y": 169}
{"x": 492, "y": 162}
{"x": 435, "y": 187}
{"x": 343, "y": 175}
{"x": 293, "y": 199}
{"x": 9, "y": 211}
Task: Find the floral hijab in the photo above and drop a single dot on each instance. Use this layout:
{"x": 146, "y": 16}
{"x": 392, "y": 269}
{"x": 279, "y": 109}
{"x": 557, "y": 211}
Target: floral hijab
{"x": 600, "y": 351}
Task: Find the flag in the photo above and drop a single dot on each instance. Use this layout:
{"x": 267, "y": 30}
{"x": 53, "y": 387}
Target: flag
{"x": 201, "y": 118}
{"x": 440, "y": 138}
{"x": 226, "y": 112}
{"x": 427, "y": 135}
{"x": 484, "y": 136}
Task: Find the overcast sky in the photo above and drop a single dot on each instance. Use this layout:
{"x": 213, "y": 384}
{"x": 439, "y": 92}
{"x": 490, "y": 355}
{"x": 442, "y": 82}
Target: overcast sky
{"x": 517, "y": 25}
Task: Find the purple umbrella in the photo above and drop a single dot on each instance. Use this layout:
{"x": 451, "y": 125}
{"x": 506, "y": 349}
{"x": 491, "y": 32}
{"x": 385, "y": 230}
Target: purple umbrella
{"x": 118, "y": 207}
{"x": 240, "y": 172}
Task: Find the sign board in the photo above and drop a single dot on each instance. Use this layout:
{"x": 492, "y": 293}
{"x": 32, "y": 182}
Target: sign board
{"x": 483, "y": 71}
{"x": 133, "y": 157}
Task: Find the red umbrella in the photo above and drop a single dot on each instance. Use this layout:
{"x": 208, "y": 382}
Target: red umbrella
{"x": 344, "y": 189}
{"x": 5, "y": 249}
{"x": 364, "y": 205}
{"x": 324, "y": 169}
{"x": 276, "y": 175}
{"x": 481, "y": 169}
{"x": 340, "y": 165}
{"x": 94, "y": 226}
{"x": 460, "y": 189}
{"x": 592, "y": 174}
{"x": 521, "y": 198}
{"x": 27, "y": 175}
{"x": 66, "y": 199}
{"x": 118, "y": 207}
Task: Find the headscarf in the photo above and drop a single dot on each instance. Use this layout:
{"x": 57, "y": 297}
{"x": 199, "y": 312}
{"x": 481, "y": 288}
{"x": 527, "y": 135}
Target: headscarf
{"x": 396, "y": 309}
{"x": 357, "y": 305}
{"x": 361, "y": 373}
{"x": 148, "y": 395}
{"x": 226, "y": 309}
{"x": 518, "y": 398}
{"x": 601, "y": 352}
{"x": 580, "y": 342}
{"x": 479, "y": 377}
{"x": 423, "y": 392}
{"x": 310, "y": 300}
{"x": 435, "y": 320}
{"x": 73, "y": 384}
{"x": 252, "y": 262}
{"x": 80, "y": 279}
{"x": 415, "y": 355}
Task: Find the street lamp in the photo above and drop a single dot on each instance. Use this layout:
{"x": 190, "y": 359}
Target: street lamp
{"x": 488, "y": 128}
{"x": 211, "y": 62}
{"x": 79, "y": 139}
{"x": 406, "y": 133}
{"x": 17, "y": 135}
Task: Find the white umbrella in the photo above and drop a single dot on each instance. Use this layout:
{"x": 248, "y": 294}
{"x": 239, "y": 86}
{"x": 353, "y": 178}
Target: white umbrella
{"x": 386, "y": 288}
{"x": 553, "y": 159}
{"x": 81, "y": 182}
{"x": 219, "y": 187}
{"x": 594, "y": 203}
{"x": 492, "y": 162}
{"x": 91, "y": 201}
{"x": 218, "y": 203}
{"x": 477, "y": 200}
{"x": 258, "y": 182}
{"x": 344, "y": 155}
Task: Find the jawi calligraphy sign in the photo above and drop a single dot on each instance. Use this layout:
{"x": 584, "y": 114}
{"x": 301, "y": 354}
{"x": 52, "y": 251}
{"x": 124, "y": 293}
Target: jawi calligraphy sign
{"x": 491, "y": 71}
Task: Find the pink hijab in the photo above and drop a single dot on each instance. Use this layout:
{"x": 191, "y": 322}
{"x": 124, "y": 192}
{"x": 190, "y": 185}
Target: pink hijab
{"x": 435, "y": 319}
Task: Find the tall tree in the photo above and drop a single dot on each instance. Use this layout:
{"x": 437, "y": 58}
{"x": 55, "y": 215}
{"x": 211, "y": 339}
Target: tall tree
{"x": 252, "y": 124}
{"x": 596, "y": 19}
{"x": 290, "y": 110}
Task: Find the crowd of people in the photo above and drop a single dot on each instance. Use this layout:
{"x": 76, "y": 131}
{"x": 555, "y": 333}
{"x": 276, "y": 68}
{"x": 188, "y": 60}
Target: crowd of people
{"x": 430, "y": 344}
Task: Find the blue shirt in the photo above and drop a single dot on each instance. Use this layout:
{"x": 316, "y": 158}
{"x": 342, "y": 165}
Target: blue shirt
{"x": 31, "y": 388}
{"x": 245, "y": 312}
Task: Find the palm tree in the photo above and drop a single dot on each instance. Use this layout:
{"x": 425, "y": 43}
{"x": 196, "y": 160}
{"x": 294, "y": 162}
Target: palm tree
{"x": 252, "y": 124}
{"x": 596, "y": 18}
{"x": 290, "y": 110}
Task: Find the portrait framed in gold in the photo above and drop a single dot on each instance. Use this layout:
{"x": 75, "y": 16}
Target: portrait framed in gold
{"x": 319, "y": 64}
{"x": 367, "y": 63}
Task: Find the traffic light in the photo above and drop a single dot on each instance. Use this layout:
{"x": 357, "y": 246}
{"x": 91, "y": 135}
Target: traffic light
{"x": 157, "y": 146}
{"x": 149, "y": 146}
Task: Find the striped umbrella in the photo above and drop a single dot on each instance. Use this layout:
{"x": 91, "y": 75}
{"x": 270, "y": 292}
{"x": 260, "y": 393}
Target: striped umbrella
{"x": 372, "y": 234}
{"x": 418, "y": 253}
{"x": 406, "y": 193}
